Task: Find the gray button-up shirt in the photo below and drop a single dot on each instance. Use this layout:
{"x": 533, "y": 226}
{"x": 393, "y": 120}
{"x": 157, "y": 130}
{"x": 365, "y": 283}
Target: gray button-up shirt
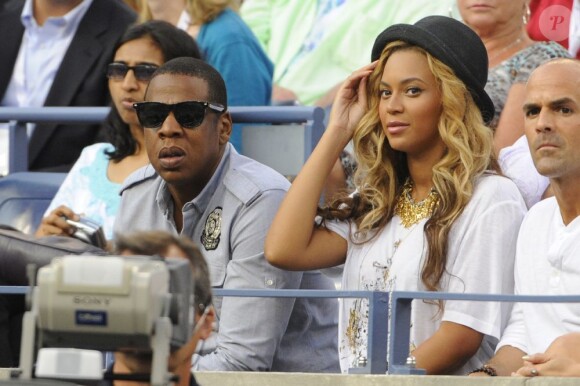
{"x": 229, "y": 220}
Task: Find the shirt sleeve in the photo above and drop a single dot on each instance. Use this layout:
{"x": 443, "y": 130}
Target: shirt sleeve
{"x": 251, "y": 345}
{"x": 341, "y": 228}
{"x": 515, "y": 334}
{"x": 247, "y": 73}
{"x": 485, "y": 259}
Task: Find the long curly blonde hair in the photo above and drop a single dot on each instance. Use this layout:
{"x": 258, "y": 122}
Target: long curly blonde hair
{"x": 382, "y": 171}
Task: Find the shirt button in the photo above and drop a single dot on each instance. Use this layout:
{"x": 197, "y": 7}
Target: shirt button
{"x": 269, "y": 282}
{"x": 555, "y": 279}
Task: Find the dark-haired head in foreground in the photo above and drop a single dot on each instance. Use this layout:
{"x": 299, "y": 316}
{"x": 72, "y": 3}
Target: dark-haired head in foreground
{"x": 167, "y": 245}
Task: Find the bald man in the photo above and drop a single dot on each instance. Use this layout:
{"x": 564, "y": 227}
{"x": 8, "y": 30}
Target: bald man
{"x": 549, "y": 240}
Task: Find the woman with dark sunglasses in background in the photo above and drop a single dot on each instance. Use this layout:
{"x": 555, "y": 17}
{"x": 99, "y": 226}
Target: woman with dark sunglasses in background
{"x": 91, "y": 189}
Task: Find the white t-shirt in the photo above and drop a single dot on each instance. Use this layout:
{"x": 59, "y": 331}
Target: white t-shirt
{"x": 480, "y": 260}
{"x": 546, "y": 264}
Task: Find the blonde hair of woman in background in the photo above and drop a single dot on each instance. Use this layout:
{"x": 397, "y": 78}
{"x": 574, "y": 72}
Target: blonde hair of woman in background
{"x": 200, "y": 11}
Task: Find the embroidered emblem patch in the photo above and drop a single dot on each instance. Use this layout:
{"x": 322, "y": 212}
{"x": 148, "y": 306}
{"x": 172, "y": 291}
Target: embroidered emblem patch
{"x": 212, "y": 230}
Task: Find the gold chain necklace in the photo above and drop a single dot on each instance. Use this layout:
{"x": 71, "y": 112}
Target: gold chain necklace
{"x": 412, "y": 212}
{"x": 504, "y": 49}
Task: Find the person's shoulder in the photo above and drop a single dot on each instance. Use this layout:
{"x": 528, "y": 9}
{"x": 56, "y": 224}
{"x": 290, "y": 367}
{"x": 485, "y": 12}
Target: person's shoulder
{"x": 120, "y": 7}
{"x": 544, "y": 51}
{"x": 10, "y": 13}
{"x": 228, "y": 28}
{"x": 496, "y": 186}
{"x": 543, "y": 207}
{"x": 142, "y": 176}
{"x": 117, "y": 12}
{"x": 539, "y": 215}
{"x": 492, "y": 189}
{"x": 227, "y": 17}
{"x": 99, "y": 147}
{"x": 11, "y": 6}
{"x": 91, "y": 152}
{"x": 247, "y": 179}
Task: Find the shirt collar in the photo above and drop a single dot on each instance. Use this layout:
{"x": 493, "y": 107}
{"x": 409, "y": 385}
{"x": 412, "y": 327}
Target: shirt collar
{"x": 26, "y": 16}
{"x": 204, "y": 197}
{"x": 71, "y": 20}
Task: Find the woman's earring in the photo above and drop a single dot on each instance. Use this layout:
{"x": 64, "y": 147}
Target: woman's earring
{"x": 527, "y": 13}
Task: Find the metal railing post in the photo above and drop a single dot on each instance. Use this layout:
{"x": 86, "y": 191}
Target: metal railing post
{"x": 400, "y": 332}
{"x": 314, "y": 129}
{"x": 18, "y": 147}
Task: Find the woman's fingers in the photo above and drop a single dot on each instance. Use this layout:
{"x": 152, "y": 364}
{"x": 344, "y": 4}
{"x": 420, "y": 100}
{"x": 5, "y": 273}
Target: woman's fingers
{"x": 55, "y": 223}
{"x": 526, "y": 371}
{"x": 536, "y": 358}
{"x": 65, "y": 211}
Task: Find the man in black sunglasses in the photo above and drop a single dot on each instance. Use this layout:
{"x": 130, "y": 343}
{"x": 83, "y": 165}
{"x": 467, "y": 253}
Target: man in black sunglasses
{"x": 200, "y": 187}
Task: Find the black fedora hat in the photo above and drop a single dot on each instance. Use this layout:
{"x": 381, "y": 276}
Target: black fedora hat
{"x": 453, "y": 43}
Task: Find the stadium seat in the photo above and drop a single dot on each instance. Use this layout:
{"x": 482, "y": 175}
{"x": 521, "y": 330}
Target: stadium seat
{"x": 25, "y": 196}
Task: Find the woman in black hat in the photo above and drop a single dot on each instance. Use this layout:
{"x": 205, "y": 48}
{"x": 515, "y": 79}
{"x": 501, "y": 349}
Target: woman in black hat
{"x": 430, "y": 212}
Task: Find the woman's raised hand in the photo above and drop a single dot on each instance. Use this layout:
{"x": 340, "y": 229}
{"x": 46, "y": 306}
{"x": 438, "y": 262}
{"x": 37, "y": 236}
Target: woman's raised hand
{"x": 350, "y": 103}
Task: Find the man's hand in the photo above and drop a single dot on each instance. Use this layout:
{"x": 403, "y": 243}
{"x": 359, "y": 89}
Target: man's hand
{"x": 55, "y": 223}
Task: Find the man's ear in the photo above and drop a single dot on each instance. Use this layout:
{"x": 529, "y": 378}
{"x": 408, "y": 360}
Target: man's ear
{"x": 225, "y": 127}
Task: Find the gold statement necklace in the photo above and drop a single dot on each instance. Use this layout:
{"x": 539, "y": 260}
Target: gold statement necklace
{"x": 412, "y": 212}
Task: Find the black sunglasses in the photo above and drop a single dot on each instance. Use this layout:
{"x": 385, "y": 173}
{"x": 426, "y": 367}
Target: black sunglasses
{"x": 118, "y": 71}
{"x": 188, "y": 114}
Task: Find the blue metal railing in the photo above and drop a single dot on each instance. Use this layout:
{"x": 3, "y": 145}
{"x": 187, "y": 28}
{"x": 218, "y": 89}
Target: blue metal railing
{"x": 17, "y": 117}
{"x": 401, "y": 316}
{"x": 378, "y": 328}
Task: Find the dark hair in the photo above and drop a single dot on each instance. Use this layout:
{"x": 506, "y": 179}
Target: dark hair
{"x": 197, "y": 68}
{"x": 158, "y": 243}
{"x": 173, "y": 43}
